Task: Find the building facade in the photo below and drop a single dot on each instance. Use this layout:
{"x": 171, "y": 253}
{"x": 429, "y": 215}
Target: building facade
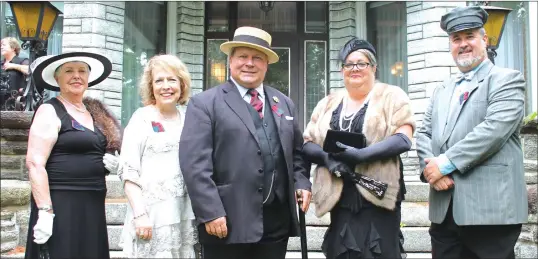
{"x": 412, "y": 49}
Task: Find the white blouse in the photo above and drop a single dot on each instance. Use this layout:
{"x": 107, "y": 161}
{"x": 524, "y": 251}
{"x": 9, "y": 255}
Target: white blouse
{"x": 150, "y": 159}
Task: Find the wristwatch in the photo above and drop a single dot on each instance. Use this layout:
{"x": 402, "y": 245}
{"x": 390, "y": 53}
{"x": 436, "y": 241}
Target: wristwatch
{"x": 45, "y": 208}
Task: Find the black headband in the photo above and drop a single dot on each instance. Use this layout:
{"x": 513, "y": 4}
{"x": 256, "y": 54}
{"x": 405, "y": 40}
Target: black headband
{"x": 353, "y": 45}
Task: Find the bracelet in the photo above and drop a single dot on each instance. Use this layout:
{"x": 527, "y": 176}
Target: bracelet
{"x": 142, "y": 214}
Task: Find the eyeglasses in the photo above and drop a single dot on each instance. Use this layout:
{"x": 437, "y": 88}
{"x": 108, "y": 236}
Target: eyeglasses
{"x": 359, "y": 66}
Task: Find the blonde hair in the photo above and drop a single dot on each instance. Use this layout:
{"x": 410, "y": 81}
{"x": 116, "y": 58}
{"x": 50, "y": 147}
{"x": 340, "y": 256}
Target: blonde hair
{"x": 14, "y": 44}
{"x": 171, "y": 64}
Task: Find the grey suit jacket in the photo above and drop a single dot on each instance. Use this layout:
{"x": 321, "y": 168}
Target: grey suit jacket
{"x": 482, "y": 141}
{"x": 219, "y": 156}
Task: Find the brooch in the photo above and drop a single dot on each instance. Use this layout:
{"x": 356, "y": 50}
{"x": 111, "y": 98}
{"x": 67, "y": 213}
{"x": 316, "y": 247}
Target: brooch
{"x": 276, "y": 99}
{"x": 464, "y": 97}
{"x": 277, "y": 110}
{"x": 157, "y": 127}
{"x": 76, "y": 125}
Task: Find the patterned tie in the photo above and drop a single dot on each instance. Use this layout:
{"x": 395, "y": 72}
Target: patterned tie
{"x": 256, "y": 102}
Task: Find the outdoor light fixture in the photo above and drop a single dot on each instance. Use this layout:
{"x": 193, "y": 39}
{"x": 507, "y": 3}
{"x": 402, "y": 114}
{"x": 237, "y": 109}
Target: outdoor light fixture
{"x": 34, "y": 22}
{"x": 267, "y": 6}
{"x": 494, "y": 27}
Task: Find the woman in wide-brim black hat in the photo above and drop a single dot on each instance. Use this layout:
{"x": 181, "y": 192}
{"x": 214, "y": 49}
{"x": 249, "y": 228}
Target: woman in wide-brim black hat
{"x": 67, "y": 143}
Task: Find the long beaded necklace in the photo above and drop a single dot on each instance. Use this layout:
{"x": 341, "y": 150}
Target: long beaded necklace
{"x": 81, "y": 110}
{"x": 349, "y": 118}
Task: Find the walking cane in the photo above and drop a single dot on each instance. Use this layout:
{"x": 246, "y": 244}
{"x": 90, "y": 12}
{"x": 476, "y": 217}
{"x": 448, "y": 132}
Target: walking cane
{"x": 44, "y": 251}
{"x": 302, "y": 225}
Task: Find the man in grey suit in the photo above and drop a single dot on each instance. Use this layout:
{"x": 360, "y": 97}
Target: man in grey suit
{"x": 469, "y": 149}
{"x": 241, "y": 160}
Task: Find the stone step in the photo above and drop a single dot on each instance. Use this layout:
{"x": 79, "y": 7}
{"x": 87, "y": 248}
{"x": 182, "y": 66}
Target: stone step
{"x": 417, "y": 239}
{"x": 289, "y": 255}
{"x": 416, "y": 190}
{"x": 414, "y": 214}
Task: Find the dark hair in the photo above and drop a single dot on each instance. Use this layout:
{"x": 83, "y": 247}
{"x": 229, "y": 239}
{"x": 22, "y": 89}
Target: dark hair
{"x": 353, "y": 45}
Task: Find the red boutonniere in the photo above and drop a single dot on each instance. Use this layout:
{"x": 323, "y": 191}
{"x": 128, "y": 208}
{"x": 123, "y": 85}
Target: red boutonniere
{"x": 464, "y": 97}
{"x": 157, "y": 127}
{"x": 277, "y": 110}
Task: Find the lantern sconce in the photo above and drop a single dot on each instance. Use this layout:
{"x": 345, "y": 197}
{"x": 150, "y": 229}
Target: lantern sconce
{"x": 267, "y": 6}
{"x": 494, "y": 27}
{"x": 34, "y": 22}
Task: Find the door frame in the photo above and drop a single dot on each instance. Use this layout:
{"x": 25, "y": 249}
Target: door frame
{"x": 295, "y": 41}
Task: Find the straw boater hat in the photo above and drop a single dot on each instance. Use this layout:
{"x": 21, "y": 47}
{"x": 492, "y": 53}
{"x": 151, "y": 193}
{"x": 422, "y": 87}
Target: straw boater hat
{"x": 251, "y": 37}
{"x": 44, "y": 68}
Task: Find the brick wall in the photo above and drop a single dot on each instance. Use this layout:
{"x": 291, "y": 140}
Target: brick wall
{"x": 190, "y": 40}
{"x": 341, "y": 28}
{"x": 98, "y": 27}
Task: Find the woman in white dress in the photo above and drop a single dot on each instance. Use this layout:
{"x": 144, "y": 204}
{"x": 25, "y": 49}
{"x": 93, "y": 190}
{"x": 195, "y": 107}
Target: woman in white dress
{"x": 159, "y": 221}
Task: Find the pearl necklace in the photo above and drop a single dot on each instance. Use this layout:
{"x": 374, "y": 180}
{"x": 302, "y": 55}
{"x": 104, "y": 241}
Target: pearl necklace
{"x": 350, "y": 117}
{"x": 81, "y": 110}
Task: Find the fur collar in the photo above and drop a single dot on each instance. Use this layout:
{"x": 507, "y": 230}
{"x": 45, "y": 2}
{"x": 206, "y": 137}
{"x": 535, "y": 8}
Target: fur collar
{"x": 388, "y": 109}
{"x": 106, "y": 122}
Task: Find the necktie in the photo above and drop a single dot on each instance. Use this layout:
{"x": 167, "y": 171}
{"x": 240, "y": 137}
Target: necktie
{"x": 256, "y": 102}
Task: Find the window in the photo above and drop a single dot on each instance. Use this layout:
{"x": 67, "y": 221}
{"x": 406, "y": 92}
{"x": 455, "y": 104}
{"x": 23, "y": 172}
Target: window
{"x": 387, "y": 31}
{"x": 216, "y": 63}
{"x": 513, "y": 51}
{"x": 144, "y": 37}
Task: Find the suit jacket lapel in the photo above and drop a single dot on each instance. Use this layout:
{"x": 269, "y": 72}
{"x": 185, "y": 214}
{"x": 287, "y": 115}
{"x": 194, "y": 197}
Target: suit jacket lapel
{"x": 444, "y": 102}
{"x": 237, "y": 104}
{"x": 270, "y": 93}
{"x": 476, "y": 81}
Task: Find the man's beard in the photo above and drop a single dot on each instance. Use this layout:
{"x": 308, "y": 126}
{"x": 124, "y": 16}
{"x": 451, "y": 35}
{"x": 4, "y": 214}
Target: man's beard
{"x": 467, "y": 62}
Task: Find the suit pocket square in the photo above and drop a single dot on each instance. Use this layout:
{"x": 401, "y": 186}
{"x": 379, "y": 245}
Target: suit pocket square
{"x": 289, "y": 118}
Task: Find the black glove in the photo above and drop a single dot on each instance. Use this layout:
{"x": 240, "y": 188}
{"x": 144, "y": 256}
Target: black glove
{"x": 315, "y": 154}
{"x": 390, "y": 147}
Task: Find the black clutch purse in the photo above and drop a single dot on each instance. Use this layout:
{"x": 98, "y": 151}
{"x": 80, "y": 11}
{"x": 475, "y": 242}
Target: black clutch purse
{"x": 356, "y": 140}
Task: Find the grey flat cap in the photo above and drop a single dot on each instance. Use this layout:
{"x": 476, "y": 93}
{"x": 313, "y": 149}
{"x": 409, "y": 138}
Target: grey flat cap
{"x": 464, "y": 18}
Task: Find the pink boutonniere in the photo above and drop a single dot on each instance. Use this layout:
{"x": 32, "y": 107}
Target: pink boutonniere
{"x": 464, "y": 97}
{"x": 277, "y": 110}
{"x": 157, "y": 127}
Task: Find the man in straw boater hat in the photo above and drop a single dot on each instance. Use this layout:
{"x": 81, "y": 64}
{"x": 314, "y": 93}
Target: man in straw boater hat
{"x": 469, "y": 149}
{"x": 240, "y": 157}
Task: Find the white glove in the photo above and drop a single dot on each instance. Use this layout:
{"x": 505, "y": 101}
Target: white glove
{"x": 43, "y": 227}
{"x": 111, "y": 162}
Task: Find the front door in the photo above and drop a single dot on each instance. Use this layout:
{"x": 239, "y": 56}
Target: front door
{"x": 299, "y": 36}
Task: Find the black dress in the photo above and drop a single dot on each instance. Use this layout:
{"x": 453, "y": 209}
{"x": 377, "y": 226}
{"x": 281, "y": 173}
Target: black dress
{"x": 76, "y": 176}
{"x": 358, "y": 228}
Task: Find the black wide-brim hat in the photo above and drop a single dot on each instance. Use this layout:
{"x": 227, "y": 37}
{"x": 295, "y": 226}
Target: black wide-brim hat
{"x": 43, "y": 73}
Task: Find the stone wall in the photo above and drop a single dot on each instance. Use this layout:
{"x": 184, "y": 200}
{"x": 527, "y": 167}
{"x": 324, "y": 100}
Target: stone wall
{"x": 527, "y": 246}
{"x": 190, "y": 40}
{"x": 429, "y": 61}
{"x": 15, "y": 189}
{"x": 97, "y": 27}
{"x": 342, "y": 17}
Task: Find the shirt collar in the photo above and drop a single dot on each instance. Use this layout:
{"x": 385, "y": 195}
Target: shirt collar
{"x": 243, "y": 90}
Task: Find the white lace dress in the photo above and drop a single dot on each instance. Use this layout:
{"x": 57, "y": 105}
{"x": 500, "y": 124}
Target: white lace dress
{"x": 149, "y": 158}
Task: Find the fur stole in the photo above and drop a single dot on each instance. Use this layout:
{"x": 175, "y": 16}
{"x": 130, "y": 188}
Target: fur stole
{"x": 106, "y": 122}
{"x": 388, "y": 109}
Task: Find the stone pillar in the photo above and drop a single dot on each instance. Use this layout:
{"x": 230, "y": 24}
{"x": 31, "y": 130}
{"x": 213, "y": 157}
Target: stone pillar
{"x": 429, "y": 60}
{"x": 15, "y": 189}
{"x": 98, "y": 27}
{"x": 527, "y": 246}
{"x": 190, "y": 40}
{"x": 342, "y": 24}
